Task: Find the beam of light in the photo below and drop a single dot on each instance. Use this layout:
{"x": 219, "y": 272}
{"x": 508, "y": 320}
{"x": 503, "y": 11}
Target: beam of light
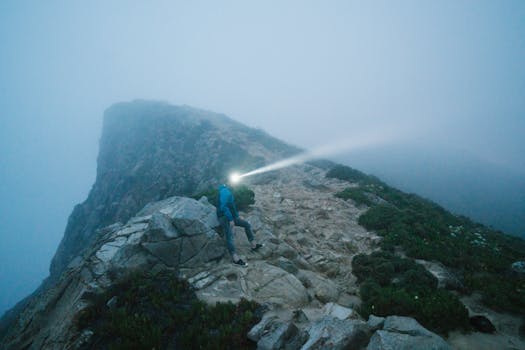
{"x": 234, "y": 178}
{"x": 332, "y": 149}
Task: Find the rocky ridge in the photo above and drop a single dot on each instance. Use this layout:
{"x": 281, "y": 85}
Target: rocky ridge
{"x": 302, "y": 274}
{"x": 135, "y": 218}
{"x": 152, "y": 150}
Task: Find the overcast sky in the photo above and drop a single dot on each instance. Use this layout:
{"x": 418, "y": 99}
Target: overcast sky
{"x": 306, "y": 72}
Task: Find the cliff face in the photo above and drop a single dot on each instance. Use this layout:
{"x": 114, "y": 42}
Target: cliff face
{"x": 153, "y": 150}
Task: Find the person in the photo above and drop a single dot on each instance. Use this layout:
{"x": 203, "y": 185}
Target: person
{"x": 229, "y": 217}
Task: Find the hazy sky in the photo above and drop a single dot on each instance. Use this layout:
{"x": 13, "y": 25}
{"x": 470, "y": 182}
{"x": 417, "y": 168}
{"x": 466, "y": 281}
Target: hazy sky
{"x": 303, "y": 71}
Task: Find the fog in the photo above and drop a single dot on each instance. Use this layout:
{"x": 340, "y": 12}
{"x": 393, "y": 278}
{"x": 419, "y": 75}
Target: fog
{"x": 306, "y": 72}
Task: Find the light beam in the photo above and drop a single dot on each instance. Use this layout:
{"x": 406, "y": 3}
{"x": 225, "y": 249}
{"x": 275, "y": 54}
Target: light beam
{"x": 352, "y": 144}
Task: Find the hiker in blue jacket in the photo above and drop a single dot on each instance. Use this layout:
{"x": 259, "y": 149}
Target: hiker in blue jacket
{"x": 229, "y": 217}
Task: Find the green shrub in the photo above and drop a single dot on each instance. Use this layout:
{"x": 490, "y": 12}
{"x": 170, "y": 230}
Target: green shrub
{"x": 356, "y": 194}
{"x": 385, "y": 268}
{"x": 437, "y": 310}
{"x": 244, "y": 197}
{"x": 424, "y": 230}
{"x": 163, "y": 312}
{"x": 392, "y": 285}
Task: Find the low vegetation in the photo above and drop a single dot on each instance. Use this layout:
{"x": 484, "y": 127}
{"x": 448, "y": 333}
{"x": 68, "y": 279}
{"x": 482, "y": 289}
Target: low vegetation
{"x": 481, "y": 257}
{"x": 244, "y": 197}
{"x": 391, "y": 285}
{"x": 159, "y": 312}
{"x": 357, "y": 195}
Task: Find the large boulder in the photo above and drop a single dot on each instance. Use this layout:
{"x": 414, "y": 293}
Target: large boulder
{"x": 400, "y": 333}
{"x": 273, "y": 333}
{"x": 277, "y": 337}
{"x": 261, "y": 282}
{"x": 324, "y": 289}
{"x": 338, "y": 311}
{"x": 334, "y": 333}
{"x": 177, "y": 231}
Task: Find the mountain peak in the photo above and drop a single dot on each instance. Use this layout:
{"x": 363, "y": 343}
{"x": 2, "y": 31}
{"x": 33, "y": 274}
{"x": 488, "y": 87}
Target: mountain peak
{"x": 151, "y": 150}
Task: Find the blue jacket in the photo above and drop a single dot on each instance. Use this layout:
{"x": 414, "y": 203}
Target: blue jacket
{"x": 227, "y": 203}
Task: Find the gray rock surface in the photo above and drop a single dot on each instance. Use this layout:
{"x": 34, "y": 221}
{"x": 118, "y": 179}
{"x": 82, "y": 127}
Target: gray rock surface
{"x": 405, "y": 333}
{"x": 385, "y": 340}
{"x": 261, "y": 328}
{"x": 338, "y": 311}
{"x": 323, "y": 289}
{"x": 277, "y": 337}
{"x": 333, "y": 333}
{"x": 375, "y": 322}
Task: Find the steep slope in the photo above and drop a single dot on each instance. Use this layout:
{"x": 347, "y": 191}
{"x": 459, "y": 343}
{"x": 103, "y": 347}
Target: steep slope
{"x": 153, "y": 150}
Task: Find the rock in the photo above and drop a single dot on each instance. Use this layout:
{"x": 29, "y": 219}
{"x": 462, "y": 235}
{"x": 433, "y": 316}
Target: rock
{"x": 299, "y": 316}
{"x": 518, "y": 267}
{"x": 168, "y": 251}
{"x": 112, "y": 303}
{"x": 132, "y": 257}
{"x": 406, "y": 325}
{"x": 139, "y": 219}
{"x": 324, "y": 290}
{"x": 333, "y": 333}
{"x": 161, "y": 228}
{"x": 296, "y": 341}
{"x": 350, "y": 301}
{"x": 260, "y": 328}
{"x": 287, "y": 265}
{"x": 405, "y": 333}
{"x": 375, "y": 322}
{"x": 446, "y": 279}
{"x": 276, "y": 337}
{"x": 132, "y": 228}
{"x": 202, "y": 280}
{"x": 205, "y": 249}
{"x": 482, "y": 324}
{"x": 271, "y": 284}
{"x": 281, "y": 219}
{"x": 384, "y": 340}
{"x": 286, "y": 251}
{"x": 108, "y": 250}
{"x": 338, "y": 311}
{"x": 180, "y": 209}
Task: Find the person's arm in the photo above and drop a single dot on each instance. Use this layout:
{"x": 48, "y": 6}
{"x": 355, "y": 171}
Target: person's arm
{"x": 224, "y": 205}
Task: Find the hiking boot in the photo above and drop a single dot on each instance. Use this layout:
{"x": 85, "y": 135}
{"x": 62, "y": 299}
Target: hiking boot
{"x": 240, "y": 262}
{"x": 257, "y": 247}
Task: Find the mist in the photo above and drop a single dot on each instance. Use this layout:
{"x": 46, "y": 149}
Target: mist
{"x": 308, "y": 73}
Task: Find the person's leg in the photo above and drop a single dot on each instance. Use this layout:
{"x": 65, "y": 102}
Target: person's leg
{"x": 247, "y": 228}
{"x": 229, "y": 235}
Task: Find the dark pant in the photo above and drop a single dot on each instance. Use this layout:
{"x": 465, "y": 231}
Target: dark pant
{"x": 229, "y": 234}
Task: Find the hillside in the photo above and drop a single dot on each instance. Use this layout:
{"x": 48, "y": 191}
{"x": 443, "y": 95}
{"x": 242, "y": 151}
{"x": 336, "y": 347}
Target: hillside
{"x": 348, "y": 261}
